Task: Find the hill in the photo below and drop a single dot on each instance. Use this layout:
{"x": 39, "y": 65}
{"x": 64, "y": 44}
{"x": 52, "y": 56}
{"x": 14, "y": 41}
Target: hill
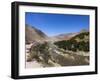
{"x": 34, "y": 34}
{"x": 65, "y": 36}
{"x": 80, "y": 42}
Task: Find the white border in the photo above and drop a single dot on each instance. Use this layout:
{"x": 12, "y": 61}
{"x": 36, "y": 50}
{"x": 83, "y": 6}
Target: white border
{"x": 24, "y": 71}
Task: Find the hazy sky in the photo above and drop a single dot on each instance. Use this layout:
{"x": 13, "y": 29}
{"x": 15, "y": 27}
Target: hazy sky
{"x": 54, "y": 24}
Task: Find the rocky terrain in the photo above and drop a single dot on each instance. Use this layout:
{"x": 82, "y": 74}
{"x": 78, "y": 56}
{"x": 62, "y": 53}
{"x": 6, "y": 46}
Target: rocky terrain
{"x": 61, "y": 50}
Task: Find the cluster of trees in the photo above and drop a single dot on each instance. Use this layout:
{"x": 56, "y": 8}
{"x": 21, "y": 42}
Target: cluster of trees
{"x": 73, "y": 45}
{"x": 81, "y": 35}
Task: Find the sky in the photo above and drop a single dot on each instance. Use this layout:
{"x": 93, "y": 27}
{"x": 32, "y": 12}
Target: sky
{"x": 55, "y": 24}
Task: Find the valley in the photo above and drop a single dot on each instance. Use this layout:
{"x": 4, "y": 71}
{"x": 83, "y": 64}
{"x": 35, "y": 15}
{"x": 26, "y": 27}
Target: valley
{"x": 63, "y": 50}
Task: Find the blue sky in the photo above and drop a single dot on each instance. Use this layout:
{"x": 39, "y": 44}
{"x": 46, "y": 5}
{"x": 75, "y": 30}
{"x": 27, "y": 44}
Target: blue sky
{"x": 54, "y": 24}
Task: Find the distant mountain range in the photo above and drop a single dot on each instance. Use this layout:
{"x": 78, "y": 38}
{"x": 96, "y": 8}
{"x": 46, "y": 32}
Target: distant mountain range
{"x": 66, "y": 36}
{"x": 34, "y": 34}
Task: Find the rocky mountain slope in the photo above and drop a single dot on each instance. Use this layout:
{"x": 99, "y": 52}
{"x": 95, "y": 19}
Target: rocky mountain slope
{"x": 80, "y": 42}
{"x": 33, "y": 34}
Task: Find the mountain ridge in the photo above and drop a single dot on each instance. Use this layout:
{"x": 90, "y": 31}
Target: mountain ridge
{"x": 34, "y": 34}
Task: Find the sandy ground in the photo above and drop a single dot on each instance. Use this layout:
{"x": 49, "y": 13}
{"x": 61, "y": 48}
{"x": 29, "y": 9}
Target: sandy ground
{"x": 33, "y": 64}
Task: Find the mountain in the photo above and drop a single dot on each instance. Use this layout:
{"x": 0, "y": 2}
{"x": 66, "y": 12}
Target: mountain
{"x": 79, "y": 42}
{"x": 65, "y": 36}
{"x": 81, "y": 37}
{"x": 34, "y": 34}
